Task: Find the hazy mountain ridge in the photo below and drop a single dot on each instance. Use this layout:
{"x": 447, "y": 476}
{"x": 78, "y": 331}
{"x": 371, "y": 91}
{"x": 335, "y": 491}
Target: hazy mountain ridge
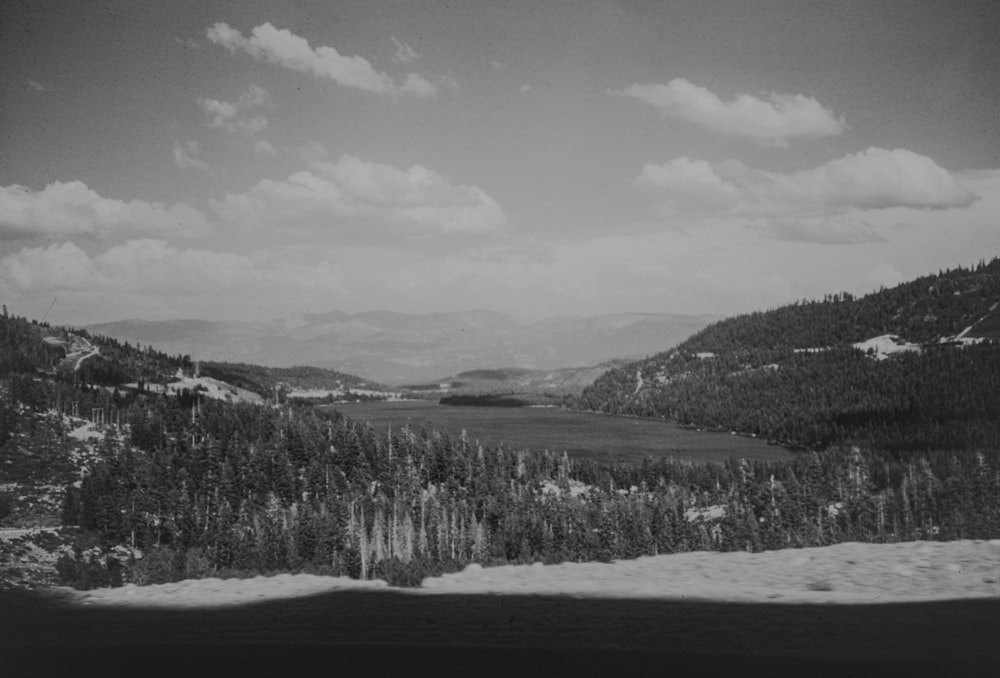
{"x": 916, "y": 366}
{"x": 393, "y": 347}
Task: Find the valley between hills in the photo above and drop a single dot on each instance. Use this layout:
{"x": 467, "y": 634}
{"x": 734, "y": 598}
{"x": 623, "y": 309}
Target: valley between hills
{"x": 860, "y": 465}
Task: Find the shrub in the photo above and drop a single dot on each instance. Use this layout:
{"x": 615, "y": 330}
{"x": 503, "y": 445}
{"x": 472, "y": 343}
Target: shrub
{"x": 397, "y": 573}
{"x": 88, "y": 573}
{"x": 197, "y": 564}
{"x": 157, "y": 566}
{"x": 6, "y": 504}
{"x": 352, "y": 562}
{"x": 66, "y": 568}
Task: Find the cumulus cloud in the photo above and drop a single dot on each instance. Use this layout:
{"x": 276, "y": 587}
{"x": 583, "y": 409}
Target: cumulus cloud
{"x": 264, "y": 147}
{"x": 873, "y": 179}
{"x": 684, "y": 182}
{"x": 353, "y": 194}
{"x": 404, "y": 53}
{"x": 147, "y": 274}
{"x": 154, "y": 265}
{"x": 448, "y": 81}
{"x": 56, "y": 267}
{"x": 73, "y": 209}
{"x": 775, "y": 120}
{"x": 311, "y": 152}
{"x": 418, "y": 85}
{"x": 237, "y": 117}
{"x": 284, "y": 48}
{"x": 186, "y": 156}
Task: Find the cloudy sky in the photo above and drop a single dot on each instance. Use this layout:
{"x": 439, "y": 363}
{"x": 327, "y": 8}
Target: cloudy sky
{"x": 261, "y": 159}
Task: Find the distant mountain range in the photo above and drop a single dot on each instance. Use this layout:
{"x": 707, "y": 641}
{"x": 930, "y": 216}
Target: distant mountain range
{"x": 394, "y": 348}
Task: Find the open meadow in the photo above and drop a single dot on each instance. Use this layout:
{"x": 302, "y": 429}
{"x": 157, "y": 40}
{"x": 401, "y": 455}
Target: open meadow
{"x": 583, "y": 435}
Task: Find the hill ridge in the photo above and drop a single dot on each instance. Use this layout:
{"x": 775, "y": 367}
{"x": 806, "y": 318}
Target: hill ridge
{"x": 818, "y": 373}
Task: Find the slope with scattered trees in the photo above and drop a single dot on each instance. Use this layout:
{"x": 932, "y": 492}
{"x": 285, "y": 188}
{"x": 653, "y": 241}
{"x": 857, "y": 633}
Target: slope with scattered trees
{"x": 263, "y": 380}
{"x": 799, "y": 374}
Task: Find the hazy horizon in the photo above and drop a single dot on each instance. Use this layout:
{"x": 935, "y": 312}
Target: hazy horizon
{"x": 256, "y": 161}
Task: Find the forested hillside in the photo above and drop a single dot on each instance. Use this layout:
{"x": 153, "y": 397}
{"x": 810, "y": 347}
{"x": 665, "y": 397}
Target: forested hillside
{"x": 176, "y": 486}
{"x": 263, "y": 380}
{"x": 915, "y": 367}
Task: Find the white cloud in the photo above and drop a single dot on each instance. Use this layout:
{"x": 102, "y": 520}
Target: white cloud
{"x": 355, "y": 196}
{"x": 775, "y": 120}
{"x": 73, "y": 209}
{"x": 186, "y": 156}
{"x": 418, "y": 85}
{"x": 37, "y": 86}
{"x": 404, "y": 53}
{"x": 155, "y": 266}
{"x": 525, "y": 88}
{"x": 283, "y": 48}
{"x": 56, "y": 267}
{"x": 264, "y": 147}
{"x": 690, "y": 183}
{"x": 311, "y": 152}
{"x": 873, "y": 179}
{"x": 150, "y": 277}
{"x": 728, "y": 268}
{"x": 235, "y": 117}
{"x": 254, "y": 95}
{"x": 448, "y": 81}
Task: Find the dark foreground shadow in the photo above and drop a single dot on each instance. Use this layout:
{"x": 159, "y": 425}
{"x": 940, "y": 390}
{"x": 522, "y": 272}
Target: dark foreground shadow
{"x": 399, "y": 634}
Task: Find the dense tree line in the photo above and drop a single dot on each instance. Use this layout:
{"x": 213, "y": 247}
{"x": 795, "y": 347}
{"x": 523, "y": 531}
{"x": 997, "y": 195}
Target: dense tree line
{"x": 224, "y": 487}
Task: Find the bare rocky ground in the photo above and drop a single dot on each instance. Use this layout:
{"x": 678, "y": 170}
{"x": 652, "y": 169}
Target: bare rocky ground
{"x": 34, "y": 475}
{"x": 28, "y": 557}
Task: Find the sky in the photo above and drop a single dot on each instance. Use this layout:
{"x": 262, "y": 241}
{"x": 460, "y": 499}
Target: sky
{"x": 258, "y": 160}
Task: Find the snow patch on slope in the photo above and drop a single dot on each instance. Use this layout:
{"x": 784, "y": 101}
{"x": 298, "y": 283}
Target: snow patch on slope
{"x": 885, "y": 345}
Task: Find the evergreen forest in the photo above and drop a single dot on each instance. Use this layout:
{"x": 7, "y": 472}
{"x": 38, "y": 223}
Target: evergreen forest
{"x": 183, "y": 486}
